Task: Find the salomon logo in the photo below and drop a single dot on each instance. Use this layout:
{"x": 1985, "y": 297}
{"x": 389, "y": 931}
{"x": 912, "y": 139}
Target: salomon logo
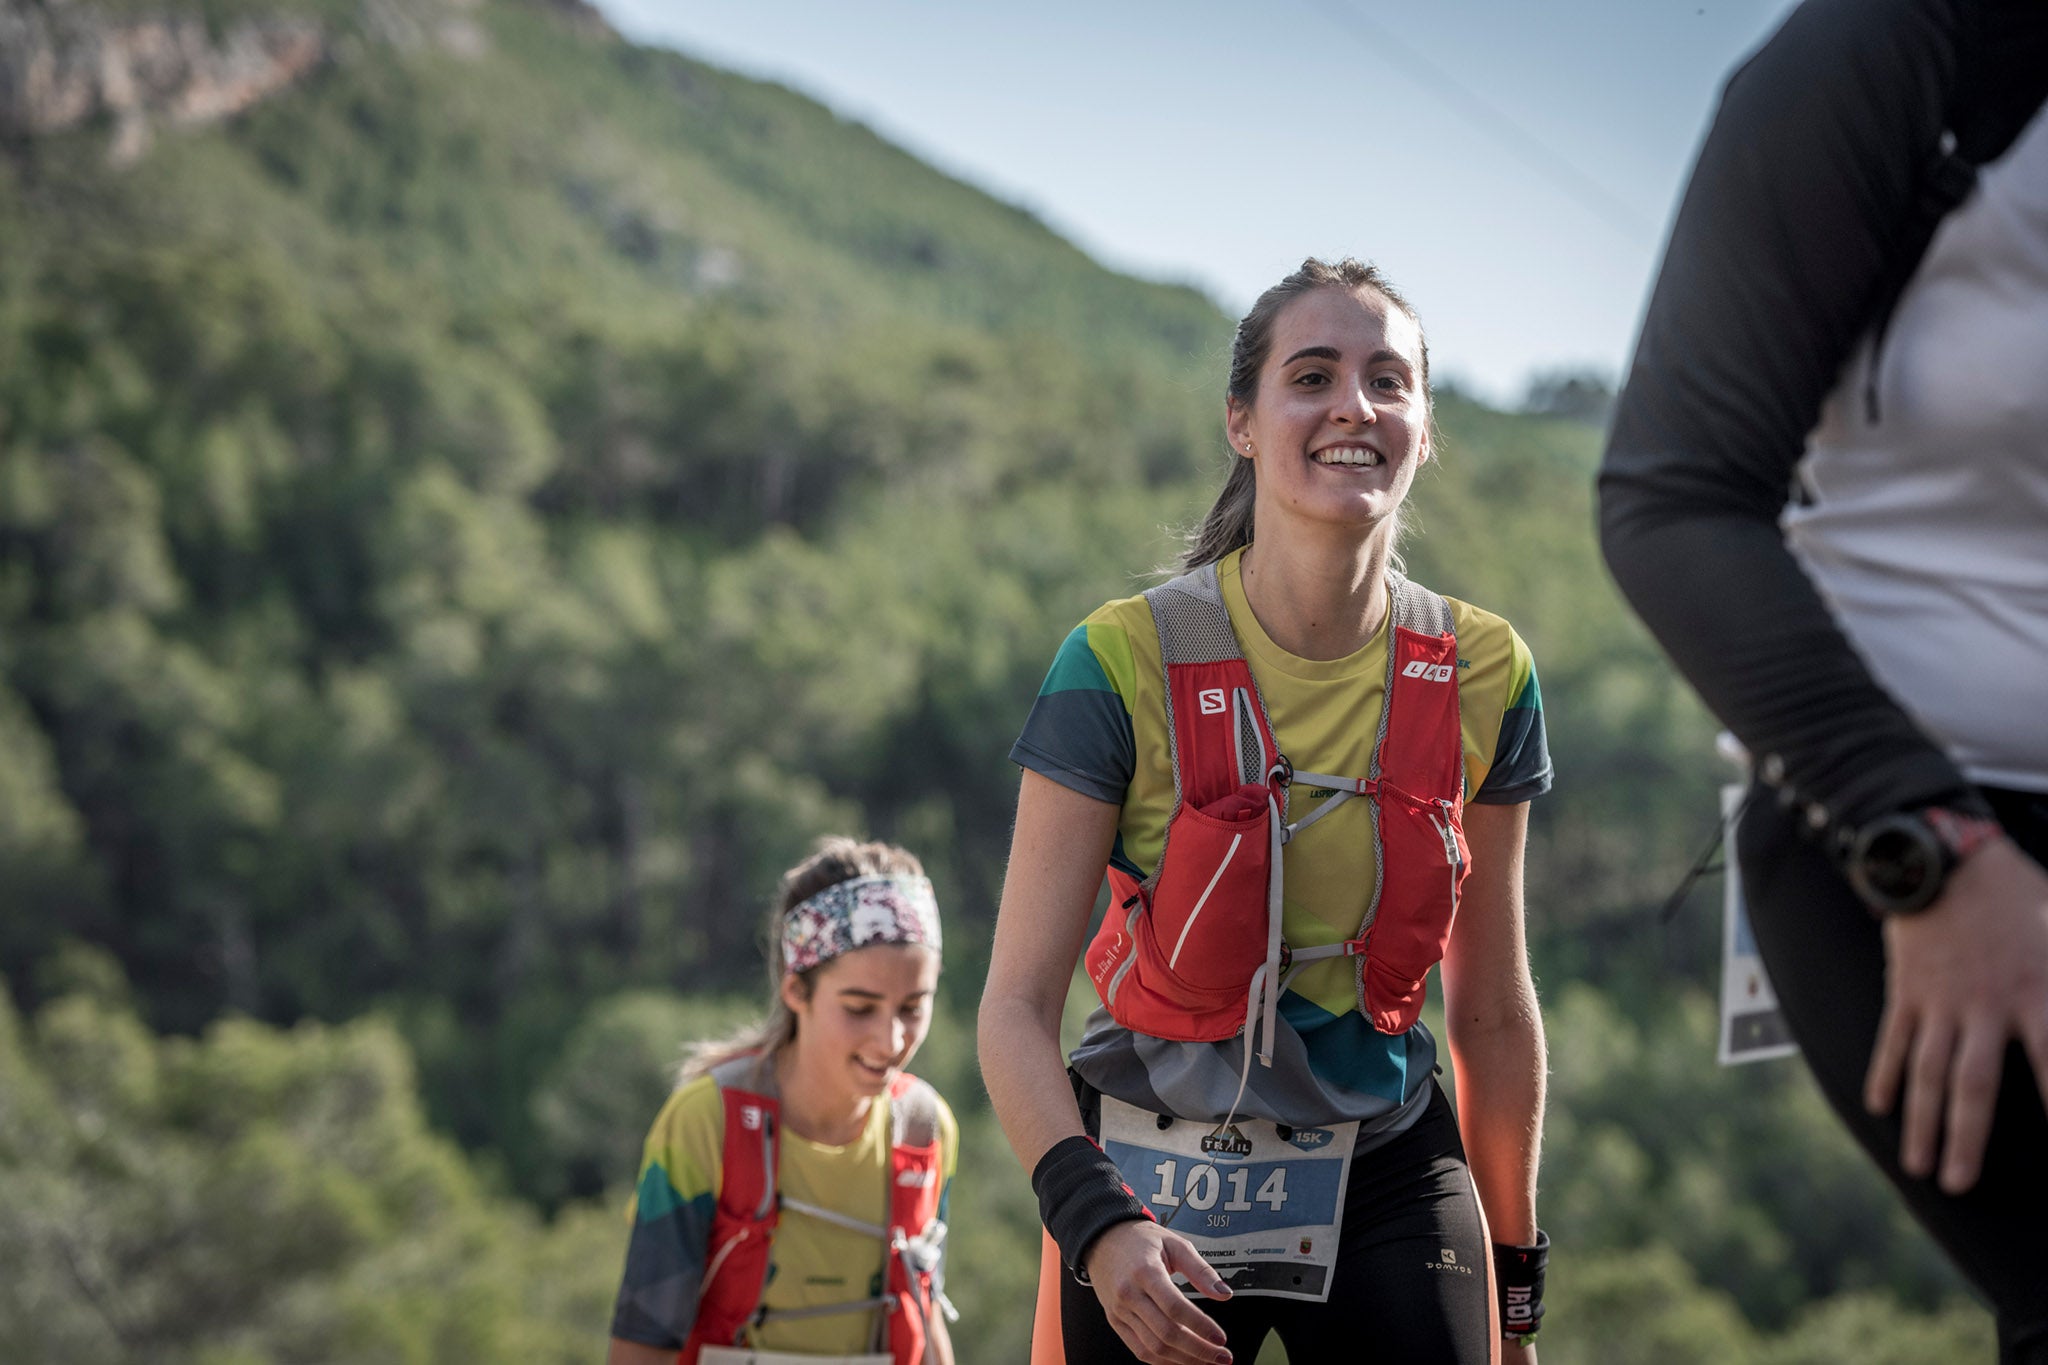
{"x": 915, "y": 1180}
{"x": 1427, "y": 671}
{"x": 750, "y": 1117}
{"x": 1213, "y": 701}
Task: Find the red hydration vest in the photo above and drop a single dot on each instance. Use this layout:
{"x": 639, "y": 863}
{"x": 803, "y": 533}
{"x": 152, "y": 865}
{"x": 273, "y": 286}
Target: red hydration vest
{"x": 1192, "y": 952}
{"x": 750, "y": 1207}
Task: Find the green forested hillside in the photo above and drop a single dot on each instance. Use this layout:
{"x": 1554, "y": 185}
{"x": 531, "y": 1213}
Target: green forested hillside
{"x": 470, "y": 518}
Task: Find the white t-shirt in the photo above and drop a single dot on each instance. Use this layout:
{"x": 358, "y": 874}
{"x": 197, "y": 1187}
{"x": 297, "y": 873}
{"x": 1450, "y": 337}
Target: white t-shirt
{"x": 1927, "y": 531}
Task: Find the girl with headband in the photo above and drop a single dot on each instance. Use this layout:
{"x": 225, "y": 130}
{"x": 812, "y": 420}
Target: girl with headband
{"x": 792, "y": 1200}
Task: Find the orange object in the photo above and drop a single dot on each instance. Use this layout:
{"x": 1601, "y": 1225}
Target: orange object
{"x": 1047, "y": 1346}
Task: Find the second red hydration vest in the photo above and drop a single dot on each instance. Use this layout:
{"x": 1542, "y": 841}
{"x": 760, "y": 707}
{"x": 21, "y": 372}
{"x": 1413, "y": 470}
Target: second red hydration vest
{"x": 1191, "y": 952}
{"x": 750, "y": 1207}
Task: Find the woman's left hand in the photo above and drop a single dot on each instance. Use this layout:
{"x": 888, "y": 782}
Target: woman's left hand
{"x": 1963, "y": 978}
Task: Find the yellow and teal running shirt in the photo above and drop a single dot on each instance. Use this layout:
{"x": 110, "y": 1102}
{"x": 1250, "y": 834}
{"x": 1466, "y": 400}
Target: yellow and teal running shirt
{"x": 1099, "y": 727}
{"x": 812, "y": 1263}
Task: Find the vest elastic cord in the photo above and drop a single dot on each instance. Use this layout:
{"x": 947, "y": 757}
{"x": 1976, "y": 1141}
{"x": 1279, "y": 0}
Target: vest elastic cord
{"x": 1262, "y": 989}
{"x": 900, "y": 1248}
{"x": 842, "y": 1220}
{"x": 1275, "y": 911}
{"x": 1254, "y": 999}
{"x": 1344, "y": 788}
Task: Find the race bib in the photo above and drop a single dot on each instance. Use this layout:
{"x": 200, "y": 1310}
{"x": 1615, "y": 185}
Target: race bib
{"x": 1263, "y": 1210}
{"x": 740, "y": 1355}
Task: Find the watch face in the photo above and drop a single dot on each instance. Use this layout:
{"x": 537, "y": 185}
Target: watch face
{"x": 1897, "y": 864}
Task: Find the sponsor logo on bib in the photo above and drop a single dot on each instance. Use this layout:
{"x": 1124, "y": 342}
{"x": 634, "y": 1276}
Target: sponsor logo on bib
{"x": 1230, "y": 1143}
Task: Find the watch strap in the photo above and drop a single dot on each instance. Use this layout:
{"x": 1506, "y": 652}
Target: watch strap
{"x": 1961, "y": 832}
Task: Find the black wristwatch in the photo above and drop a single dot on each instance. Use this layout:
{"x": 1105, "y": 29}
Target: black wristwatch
{"x": 1899, "y": 863}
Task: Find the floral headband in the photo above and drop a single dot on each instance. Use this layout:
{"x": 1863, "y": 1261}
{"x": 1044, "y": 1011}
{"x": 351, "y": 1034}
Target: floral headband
{"x": 857, "y": 912}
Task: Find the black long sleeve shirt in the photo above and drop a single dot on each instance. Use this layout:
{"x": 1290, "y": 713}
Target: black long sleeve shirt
{"x": 1835, "y": 153}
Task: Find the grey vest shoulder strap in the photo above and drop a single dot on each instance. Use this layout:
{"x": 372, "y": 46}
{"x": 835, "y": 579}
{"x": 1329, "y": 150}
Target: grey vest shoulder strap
{"x": 1194, "y": 628}
{"x": 914, "y": 1116}
{"x": 749, "y": 1071}
{"x": 1418, "y": 609}
{"x": 1193, "y": 624}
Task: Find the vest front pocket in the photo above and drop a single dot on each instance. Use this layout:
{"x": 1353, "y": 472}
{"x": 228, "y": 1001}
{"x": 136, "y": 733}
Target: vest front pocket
{"x": 1426, "y": 838}
{"x": 1204, "y": 934}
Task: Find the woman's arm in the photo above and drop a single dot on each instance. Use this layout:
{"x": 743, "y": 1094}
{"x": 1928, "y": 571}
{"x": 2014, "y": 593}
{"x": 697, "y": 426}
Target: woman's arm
{"x": 671, "y": 1215}
{"x": 1495, "y": 1031}
{"x": 1801, "y": 210}
{"x": 1057, "y": 852}
{"x": 1060, "y": 845}
{"x": 1810, "y": 205}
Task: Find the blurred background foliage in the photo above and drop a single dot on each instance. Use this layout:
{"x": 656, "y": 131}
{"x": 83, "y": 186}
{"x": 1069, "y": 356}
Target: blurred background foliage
{"x": 473, "y": 515}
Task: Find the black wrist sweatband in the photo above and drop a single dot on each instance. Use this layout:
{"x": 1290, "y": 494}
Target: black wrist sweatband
{"x": 1081, "y": 1195}
{"x": 1518, "y": 1276}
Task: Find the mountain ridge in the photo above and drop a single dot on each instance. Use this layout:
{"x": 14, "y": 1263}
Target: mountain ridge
{"x": 470, "y": 517}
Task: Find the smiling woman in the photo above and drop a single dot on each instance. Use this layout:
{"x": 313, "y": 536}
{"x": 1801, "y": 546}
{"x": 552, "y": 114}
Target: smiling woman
{"x": 792, "y": 1199}
{"x": 1254, "y": 1106}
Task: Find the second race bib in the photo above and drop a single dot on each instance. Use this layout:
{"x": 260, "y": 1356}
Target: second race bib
{"x": 740, "y": 1355}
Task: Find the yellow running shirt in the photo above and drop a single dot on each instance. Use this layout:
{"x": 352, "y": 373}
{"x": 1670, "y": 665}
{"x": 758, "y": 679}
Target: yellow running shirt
{"x": 813, "y": 1263}
{"x": 1099, "y": 727}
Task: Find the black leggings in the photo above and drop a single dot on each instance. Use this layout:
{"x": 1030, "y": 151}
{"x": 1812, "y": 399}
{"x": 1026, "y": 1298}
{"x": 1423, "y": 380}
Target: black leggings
{"x": 1826, "y": 958}
{"x": 1412, "y": 1283}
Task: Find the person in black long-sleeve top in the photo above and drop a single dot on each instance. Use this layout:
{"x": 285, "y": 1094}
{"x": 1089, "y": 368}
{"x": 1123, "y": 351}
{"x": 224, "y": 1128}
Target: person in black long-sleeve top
{"x": 1826, "y": 492}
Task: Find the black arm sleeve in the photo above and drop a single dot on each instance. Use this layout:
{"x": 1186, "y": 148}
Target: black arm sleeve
{"x": 1807, "y": 206}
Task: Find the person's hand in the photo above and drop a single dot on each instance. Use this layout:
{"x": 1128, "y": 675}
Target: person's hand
{"x": 1513, "y": 1352}
{"x": 1132, "y": 1267}
{"x": 1963, "y": 977}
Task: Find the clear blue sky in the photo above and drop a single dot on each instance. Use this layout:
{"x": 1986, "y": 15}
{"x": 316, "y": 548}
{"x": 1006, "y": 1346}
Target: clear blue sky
{"x": 1511, "y": 164}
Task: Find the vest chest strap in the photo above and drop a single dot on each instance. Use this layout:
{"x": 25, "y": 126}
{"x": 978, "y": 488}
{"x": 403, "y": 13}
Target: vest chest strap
{"x": 1341, "y": 789}
{"x": 842, "y": 1220}
{"x": 1347, "y": 786}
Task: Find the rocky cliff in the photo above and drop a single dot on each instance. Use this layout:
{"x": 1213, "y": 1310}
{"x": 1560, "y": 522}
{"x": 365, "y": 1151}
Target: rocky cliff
{"x": 67, "y": 63}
